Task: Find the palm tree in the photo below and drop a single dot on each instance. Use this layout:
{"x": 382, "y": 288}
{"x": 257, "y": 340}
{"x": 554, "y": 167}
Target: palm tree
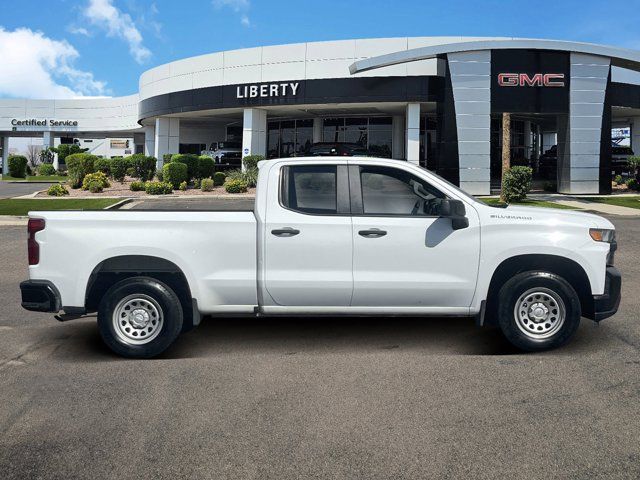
{"x": 506, "y": 149}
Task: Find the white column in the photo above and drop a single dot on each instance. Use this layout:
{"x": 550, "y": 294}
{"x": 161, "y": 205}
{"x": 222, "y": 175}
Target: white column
{"x": 5, "y": 155}
{"x": 397, "y": 141}
{"x": 317, "y": 130}
{"x": 413, "y": 133}
{"x": 47, "y": 141}
{"x": 149, "y": 141}
{"x": 634, "y": 123}
{"x": 167, "y": 138}
{"x": 254, "y": 132}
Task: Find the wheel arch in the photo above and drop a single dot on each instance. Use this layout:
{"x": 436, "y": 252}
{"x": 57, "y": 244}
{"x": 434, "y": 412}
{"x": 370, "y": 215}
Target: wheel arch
{"x": 117, "y": 268}
{"x": 564, "y": 267}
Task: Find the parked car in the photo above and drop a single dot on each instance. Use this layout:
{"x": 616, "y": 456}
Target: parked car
{"x": 327, "y": 236}
{"x": 225, "y": 154}
{"x": 337, "y": 149}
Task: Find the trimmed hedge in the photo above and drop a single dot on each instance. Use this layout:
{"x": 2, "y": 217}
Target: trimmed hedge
{"x": 95, "y": 182}
{"x": 175, "y": 173}
{"x": 251, "y": 161}
{"x": 516, "y": 183}
{"x": 102, "y": 165}
{"x": 191, "y": 161}
{"x": 18, "y": 166}
{"x": 57, "y": 190}
{"x": 78, "y": 166}
{"x": 144, "y": 167}
{"x": 137, "y": 186}
{"x": 206, "y": 166}
{"x": 158, "y": 188}
{"x": 46, "y": 169}
{"x": 219, "y": 178}
{"x": 118, "y": 168}
{"x": 206, "y": 185}
{"x": 236, "y": 186}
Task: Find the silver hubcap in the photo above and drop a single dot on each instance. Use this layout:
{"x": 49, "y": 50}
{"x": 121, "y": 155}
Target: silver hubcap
{"x": 137, "y": 319}
{"x": 539, "y": 313}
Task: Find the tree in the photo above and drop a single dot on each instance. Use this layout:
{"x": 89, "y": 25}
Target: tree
{"x": 634, "y": 167}
{"x": 66, "y": 149}
{"x": 506, "y": 150}
{"x": 33, "y": 154}
{"x": 46, "y": 155}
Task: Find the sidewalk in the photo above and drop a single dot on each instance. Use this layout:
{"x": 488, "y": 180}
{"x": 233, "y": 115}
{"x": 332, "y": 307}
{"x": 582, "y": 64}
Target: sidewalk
{"x": 582, "y": 202}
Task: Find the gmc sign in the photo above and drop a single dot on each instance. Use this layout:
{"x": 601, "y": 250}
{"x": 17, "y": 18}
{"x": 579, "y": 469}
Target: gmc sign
{"x": 535, "y": 80}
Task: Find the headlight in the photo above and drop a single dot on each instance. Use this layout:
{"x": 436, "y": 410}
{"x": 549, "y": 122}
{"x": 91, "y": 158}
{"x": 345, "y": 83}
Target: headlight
{"x": 603, "y": 235}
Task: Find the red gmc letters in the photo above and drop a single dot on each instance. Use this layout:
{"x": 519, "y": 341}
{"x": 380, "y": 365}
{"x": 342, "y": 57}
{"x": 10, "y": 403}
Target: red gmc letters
{"x": 535, "y": 80}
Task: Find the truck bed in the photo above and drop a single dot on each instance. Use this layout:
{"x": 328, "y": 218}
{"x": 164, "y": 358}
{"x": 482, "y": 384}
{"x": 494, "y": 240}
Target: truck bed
{"x": 206, "y": 204}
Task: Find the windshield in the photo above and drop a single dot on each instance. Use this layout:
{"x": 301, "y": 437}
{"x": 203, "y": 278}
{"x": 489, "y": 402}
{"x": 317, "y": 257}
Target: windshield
{"x": 456, "y": 188}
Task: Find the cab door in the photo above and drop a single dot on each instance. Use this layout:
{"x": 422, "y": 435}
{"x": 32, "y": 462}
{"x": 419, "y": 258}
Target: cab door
{"x": 307, "y": 236}
{"x": 404, "y": 253}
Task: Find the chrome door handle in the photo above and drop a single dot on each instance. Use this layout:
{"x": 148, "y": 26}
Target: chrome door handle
{"x": 285, "y": 232}
{"x": 372, "y": 233}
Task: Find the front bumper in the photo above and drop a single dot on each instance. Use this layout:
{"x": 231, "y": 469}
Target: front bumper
{"x": 40, "y": 296}
{"x": 606, "y": 305}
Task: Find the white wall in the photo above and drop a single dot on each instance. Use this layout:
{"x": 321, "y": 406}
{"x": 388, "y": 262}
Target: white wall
{"x": 299, "y": 61}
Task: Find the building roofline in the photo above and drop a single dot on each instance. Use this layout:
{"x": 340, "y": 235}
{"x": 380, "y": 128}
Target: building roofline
{"x": 620, "y": 57}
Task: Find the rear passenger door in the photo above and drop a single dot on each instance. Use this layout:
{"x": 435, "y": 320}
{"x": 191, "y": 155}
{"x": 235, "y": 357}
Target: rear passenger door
{"x": 308, "y": 244}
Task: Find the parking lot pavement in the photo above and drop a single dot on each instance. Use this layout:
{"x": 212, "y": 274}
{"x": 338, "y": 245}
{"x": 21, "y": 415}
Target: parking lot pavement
{"x": 10, "y": 189}
{"x": 319, "y": 398}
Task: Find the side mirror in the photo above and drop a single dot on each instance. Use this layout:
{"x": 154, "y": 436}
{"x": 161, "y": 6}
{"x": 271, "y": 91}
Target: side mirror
{"x": 454, "y": 209}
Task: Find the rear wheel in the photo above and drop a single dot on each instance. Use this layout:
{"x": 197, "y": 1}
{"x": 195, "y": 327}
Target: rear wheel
{"x": 139, "y": 317}
{"x": 538, "y": 311}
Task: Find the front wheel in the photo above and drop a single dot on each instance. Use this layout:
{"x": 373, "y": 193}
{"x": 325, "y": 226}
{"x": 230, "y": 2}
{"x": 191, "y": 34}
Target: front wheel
{"x": 139, "y": 317}
{"x": 538, "y": 311}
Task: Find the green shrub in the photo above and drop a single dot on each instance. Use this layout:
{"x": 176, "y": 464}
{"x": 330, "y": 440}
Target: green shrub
{"x": 57, "y": 190}
{"x": 159, "y": 175}
{"x": 158, "y": 188}
{"x": 206, "y": 184}
{"x": 46, "y": 169}
{"x": 219, "y": 178}
{"x": 183, "y": 186}
{"x": 131, "y": 172}
{"x": 206, "y": 166}
{"x": 118, "y": 168}
{"x": 79, "y": 165}
{"x": 143, "y": 167}
{"x": 618, "y": 180}
{"x": 102, "y": 165}
{"x": 196, "y": 182}
{"x": 29, "y": 171}
{"x": 66, "y": 149}
{"x": 95, "y": 179}
{"x": 634, "y": 165}
{"x": 516, "y": 183}
{"x": 175, "y": 173}
{"x": 166, "y": 158}
{"x": 249, "y": 176}
{"x": 191, "y": 161}
{"x": 137, "y": 186}
{"x": 632, "y": 184}
{"x": 251, "y": 161}
{"x": 18, "y": 166}
{"x": 236, "y": 186}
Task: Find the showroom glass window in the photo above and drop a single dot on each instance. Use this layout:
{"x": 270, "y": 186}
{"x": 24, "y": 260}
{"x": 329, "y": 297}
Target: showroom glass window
{"x": 310, "y": 189}
{"x": 393, "y": 191}
{"x": 372, "y": 133}
{"x": 289, "y": 138}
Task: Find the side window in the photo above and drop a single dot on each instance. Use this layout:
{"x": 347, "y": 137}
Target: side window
{"x": 310, "y": 189}
{"x": 393, "y": 191}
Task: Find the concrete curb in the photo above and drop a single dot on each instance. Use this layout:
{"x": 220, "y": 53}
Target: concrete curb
{"x": 119, "y": 204}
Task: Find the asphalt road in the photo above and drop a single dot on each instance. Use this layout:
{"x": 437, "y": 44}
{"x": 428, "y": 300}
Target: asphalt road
{"x": 308, "y": 398}
{"x": 11, "y": 189}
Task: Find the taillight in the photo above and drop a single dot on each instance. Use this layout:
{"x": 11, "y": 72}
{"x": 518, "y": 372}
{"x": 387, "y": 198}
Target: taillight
{"x": 34, "y": 226}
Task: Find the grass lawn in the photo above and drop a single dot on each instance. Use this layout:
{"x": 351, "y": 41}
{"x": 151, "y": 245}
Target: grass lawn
{"x": 11, "y": 206}
{"x": 528, "y": 203}
{"x": 630, "y": 201}
{"x": 37, "y": 178}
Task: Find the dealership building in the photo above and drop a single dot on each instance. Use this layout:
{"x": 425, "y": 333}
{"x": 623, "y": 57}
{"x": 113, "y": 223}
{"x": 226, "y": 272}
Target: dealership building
{"x": 434, "y": 101}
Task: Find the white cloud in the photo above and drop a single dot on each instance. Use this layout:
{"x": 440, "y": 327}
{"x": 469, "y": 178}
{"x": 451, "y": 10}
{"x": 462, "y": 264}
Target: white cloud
{"x": 78, "y": 30}
{"x": 238, "y": 6}
{"x": 33, "y": 66}
{"x": 103, "y": 14}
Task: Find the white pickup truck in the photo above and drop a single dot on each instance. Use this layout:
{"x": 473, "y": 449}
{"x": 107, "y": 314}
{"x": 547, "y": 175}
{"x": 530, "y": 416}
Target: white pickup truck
{"x": 327, "y": 236}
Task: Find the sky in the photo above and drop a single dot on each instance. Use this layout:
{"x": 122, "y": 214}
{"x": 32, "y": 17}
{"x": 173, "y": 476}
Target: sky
{"x": 68, "y": 49}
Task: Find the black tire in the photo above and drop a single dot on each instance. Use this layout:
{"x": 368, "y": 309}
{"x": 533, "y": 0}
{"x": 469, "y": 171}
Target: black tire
{"x": 158, "y": 306}
{"x": 556, "y": 295}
